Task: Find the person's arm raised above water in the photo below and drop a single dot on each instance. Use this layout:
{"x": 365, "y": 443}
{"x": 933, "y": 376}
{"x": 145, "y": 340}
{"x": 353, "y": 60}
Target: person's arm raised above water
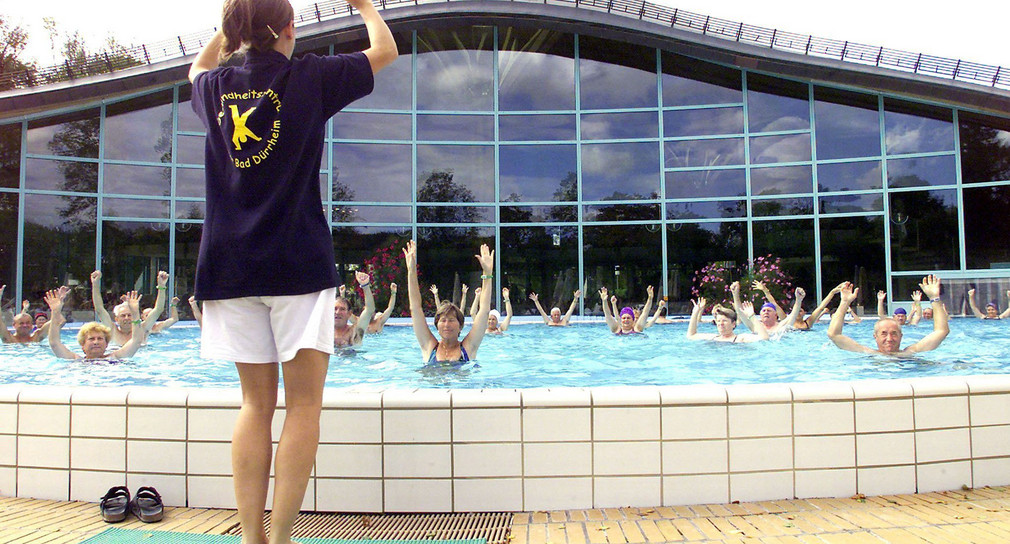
{"x": 364, "y": 281}
{"x": 734, "y": 289}
{"x": 473, "y": 339}
{"x": 845, "y": 298}
{"x": 881, "y": 298}
{"x": 760, "y": 286}
{"x": 1006, "y": 313}
{"x": 504, "y": 325}
{"x": 434, "y": 292}
{"x": 571, "y": 307}
{"x": 55, "y": 302}
{"x": 747, "y": 313}
{"x": 611, "y": 321}
{"x": 5, "y": 334}
{"x": 384, "y": 316}
{"x": 696, "y": 311}
{"x": 786, "y": 323}
{"x": 425, "y": 339}
{"x": 101, "y": 314}
{"x": 475, "y": 304}
{"x": 159, "y": 302}
{"x": 655, "y": 315}
{"x": 974, "y": 307}
{"x": 138, "y": 334}
{"x": 644, "y": 315}
{"x": 173, "y": 317}
{"x": 916, "y": 308}
{"x": 382, "y": 47}
{"x": 197, "y": 314}
{"x": 536, "y": 302}
{"x": 823, "y": 306}
{"x": 931, "y": 287}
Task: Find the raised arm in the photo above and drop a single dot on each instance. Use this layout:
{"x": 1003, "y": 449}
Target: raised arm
{"x": 365, "y": 282}
{"x": 1006, "y": 313}
{"x": 138, "y": 333}
{"x": 655, "y": 315}
{"x": 504, "y": 325}
{"x": 5, "y": 334}
{"x": 786, "y": 323}
{"x": 55, "y": 302}
{"x": 607, "y": 315}
{"x": 747, "y": 312}
{"x": 823, "y": 306}
{"x": 382, "y": 48}
{"x": 384, "y": 316}
{"x": 479, "y": 329}
{"x": 916, "y": 308}
{"x": 96, "y": 299}
{"x": 209, "y": 57}
{"x": 571, "y": 307}
{"x": 696, "y": 311}
{"x": 931, "y": 287}
{"x": 974, "y": 307}
{"x": 425, "y": 339}
{"x": 536, "y": 301}
{"x": 644, "y": 316}
{"x": 734, "y": 289}
{"x": 159, "y": 303}
{"x": 475, "y": 303}
{"x": 462, "y": 297}
{"x": 197, "y": 314}
{"x": 434, "y": 293}
{"x": 846, "y": 296}
{"x": 173, "y": 317}
{"x": 760, "y": 286}
{"x": 881, "y": 298}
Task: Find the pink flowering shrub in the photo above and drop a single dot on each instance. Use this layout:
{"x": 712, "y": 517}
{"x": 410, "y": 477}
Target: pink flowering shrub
{"x": 386, "y": 266}
{"x": 713, "y": 281}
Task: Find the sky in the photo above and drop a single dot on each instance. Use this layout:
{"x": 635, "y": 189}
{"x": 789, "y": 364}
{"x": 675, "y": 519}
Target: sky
{"x": 976, "y": 34}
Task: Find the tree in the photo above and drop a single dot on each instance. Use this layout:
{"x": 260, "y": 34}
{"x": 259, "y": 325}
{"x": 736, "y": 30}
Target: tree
{"x": 15, "y": 39}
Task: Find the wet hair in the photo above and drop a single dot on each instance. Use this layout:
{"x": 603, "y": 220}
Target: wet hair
{"x": 253, "y": 23}
{"x": 339, "y": 299}
{"x": 447, "y": 308}
{"x": 726, "y": 312}
{"x": 90, "y": 327}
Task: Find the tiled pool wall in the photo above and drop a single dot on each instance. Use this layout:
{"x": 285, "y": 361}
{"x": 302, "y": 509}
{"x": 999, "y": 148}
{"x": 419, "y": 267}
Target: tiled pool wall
{"x": 530, "y": 449}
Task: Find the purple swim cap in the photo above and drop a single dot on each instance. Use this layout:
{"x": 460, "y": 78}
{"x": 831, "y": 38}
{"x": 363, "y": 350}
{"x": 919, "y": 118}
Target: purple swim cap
{"x": 627, "y": 310}
{"x": 993, "y": 304}
{"x": 900, "y": 311}
{"x": 767, "y": 305}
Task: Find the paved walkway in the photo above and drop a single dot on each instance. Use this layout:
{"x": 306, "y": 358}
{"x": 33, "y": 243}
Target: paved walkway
{"x": 952, "y": 517}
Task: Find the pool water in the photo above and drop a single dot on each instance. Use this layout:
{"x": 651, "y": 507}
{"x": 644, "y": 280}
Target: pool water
{"x": 534, "y": 355}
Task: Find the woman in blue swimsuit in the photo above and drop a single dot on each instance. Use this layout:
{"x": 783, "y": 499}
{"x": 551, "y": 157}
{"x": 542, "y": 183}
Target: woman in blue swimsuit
{"x": 448, "y": 317}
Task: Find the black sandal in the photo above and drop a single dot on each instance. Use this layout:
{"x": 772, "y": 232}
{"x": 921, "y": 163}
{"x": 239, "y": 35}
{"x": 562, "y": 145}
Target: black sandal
{"x": 147, "y": 506}
{"x": 114, "y": 504}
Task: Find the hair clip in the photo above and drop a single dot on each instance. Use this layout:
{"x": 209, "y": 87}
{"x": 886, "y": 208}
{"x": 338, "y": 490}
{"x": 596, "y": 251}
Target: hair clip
{"x": 272, "y": 33}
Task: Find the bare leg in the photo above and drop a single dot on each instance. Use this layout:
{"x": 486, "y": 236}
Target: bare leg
{"x": 304, "y": 377}
{"x": 251, "y": 448}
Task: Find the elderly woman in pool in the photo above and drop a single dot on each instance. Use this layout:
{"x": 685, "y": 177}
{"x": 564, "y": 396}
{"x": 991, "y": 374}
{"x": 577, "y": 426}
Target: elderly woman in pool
{"x": 725, "y": 323}
{"x": 448, "y": 317}
{"x": 625, "y": 323}
{"x": 495, "y": 325}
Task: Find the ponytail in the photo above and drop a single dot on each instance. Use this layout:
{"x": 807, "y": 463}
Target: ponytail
{"x": 253, "y": 24}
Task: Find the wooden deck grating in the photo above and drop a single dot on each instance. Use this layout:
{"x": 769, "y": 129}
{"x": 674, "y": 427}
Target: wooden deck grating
{"x": 951, "y": 517}
{"x": 492, "y": 527}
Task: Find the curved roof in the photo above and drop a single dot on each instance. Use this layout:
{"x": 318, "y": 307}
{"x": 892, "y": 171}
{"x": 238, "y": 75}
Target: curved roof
{"x": 724, "y": 42}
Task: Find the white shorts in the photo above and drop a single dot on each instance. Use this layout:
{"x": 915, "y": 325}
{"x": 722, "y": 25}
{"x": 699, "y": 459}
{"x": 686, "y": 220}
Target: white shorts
{"x": 267, "y": 329}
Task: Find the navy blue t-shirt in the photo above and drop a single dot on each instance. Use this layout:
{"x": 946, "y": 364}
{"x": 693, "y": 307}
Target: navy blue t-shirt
{"x": 265, "y": 233}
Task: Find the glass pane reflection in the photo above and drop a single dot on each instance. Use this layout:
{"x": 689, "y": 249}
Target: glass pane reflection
{"x": 44, "y": 174}
{"x": 538, "y": 173}
{"x": 454, "y": 69}
{"x": 614, "y": 126}
{"x": 190, "y": 182}
{"x": 848, "y": 124}
{"x": 921, "y": 171}
{"x": 852, "y": 249}
{"x": 623, "y": 258}
{"x": 849, "y": 176}
{"x": 137, "y": 180}
{"x": 372, "y": 214}
{"x": 455, "y": 173}
{"x": 706, "y": 210}
{"x": 455, "y": 127}
{"x": 782, "y": 206}
{"x": 985, "y": 148}
{"x": 627, "y": 171}
{"x": 536, "y": 127}
{"x": 542, "y": 260}
{"x": 616, "y": 75}
{"x": 349, "y": 125}
{"x": 186, "y": 209}
{"x": 140, "y": 129}
{"x": 692, "y": 246}
{"x": 621, "y": 212}
{"x": 59, "y": 246}
{"x": 917, "y": 128}
{"x": 706, "y": 183}
{"x": 773, "y": 149}
{"x": 684, "y": 123}
{"x": 392, "y": 84}
{"x": 689, "y": 82}
{"x": 852, "y": 203}
{"x": 924, "y": 233}
{"x": 70, "y": 135}
{"x": 371, "y": 172}
{"x": 782, "y": 180}
{"x": 132, "y": 253}
{"x": 445, "y": 258}
{"x": 188, "y": 121}
{"x": 793, "y": 241}
{"x": 454, "y": 214}
{"x": 986, "y": 229}
{"x": 536, "y": 69}
{"x": 190, "y": 149}
{"x": 718, "y": 152}
{"x": 8, "y": 251}
{"x": 538, "y": 214}
{"x": 126, "y": 207}
{"x": 10, "y": 155}
{"x": 777, "y": 104}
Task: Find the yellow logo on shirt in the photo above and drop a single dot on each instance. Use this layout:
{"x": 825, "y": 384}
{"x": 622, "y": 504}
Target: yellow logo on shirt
{"x": 238, "y": 111}
{"x": 240, "y": 134}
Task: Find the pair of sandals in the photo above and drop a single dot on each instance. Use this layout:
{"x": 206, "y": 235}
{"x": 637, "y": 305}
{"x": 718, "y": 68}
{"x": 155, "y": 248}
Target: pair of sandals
{"x": 146, "y": 505}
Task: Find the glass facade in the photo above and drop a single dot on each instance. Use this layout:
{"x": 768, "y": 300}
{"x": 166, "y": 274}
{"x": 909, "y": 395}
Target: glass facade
{"x": 582, "y": 161}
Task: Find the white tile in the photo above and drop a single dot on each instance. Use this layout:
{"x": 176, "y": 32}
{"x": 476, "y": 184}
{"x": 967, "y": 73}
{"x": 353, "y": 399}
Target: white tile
{"x": 693, "y": 422}
{"x": 157, "y": 396}
{"x": 8, "y": 450}
{"x": 9, "y": 392}
{"x": 98, "y": 421}
{"x": 760, "y": 454}
{"x": 171, "y": 487}
{"x": 695, "y": 489}
{"x": 626, "y": 458}
{"x": 486, "y": 398}
{"x": 417, "y": 461}
{"x": 825, "y": 451}
{"x": 98, "y": 396}
{"x": 91, "y": 486}
{"x": 761, "y": 486}
{"x": 943, "y": 476}
{"x": 487, "y": 460}
{"x": 156, "y": 456}
{"x": 349, "y": 461}
{"x": 825, "y": 483}
{"x": 42, "y": 483}
{"x": 695, "y": 457}
{"x": 557, "y": 424}
{"x": 416, "y": 426}
{"x": 942, "y": 445}
{"x": 156, "y": 422}
{"x": 936, "y": 386}
{"x": 759, "y": 393}
{"x": 631, "y": 423}
{"x": 885, "y": 449}
{"x": 340, "y": 398}
{"x": 44, "y": 419}
{"x": 8, "y": 418}
{"x": 350, "y": 426}
{"x": 8, "y": 481}
{"x": 44, "y": 452}
{"x": 831, "y": 417}
{"x": 634, "y": 491}
{"x": 557, "y": 493}
{"x": 885, "y": 480}
{"x": 881, "y": 389}
{"x": 347, "y": 495}
{"x": 211, "y": 492}
{"x": 98, "y": 454}
{"x": 487, "y": 425}
{"x": 990, "y": 472}
{"x": 557, "y": 397}
{"x": 754, "y": 420}
{"x": 215, "y": 397}
{"x": 701, "y": 394}
{"x": 821, "y": 391}
{"x": 884, "y": 415}
{"x": 213, "y": 424}
{"x": 990, "y": 441}
{"x": 416, "y": 398}
{"x": 45, "y": 394}
{"x": 488, "y": 495}
{"x": 991, "y": 383}
{"x": 990, "y": 409}
{"x": 941, "y": 412}
{"x": 625, "y": 395}
{"x": 418, "y": 495}
{"x": 209, "y": 458}
{"x": 558, "y": 459}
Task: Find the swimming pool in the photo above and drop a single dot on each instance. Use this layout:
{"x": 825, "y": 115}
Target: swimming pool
{"x": 533, "y": 355}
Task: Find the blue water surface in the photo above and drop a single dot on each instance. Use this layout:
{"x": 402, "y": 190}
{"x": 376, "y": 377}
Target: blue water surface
{"x": 534, "y": 355}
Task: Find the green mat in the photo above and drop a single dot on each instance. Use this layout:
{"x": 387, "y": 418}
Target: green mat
{"x": 133, "y": 536}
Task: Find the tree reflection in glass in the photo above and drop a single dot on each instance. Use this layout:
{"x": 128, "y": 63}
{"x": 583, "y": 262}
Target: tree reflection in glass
{"x": 985, "y": 148}
{"x": 59, "y": 247}
{"x": 924, "y": 232}
{"x": 10, "y": 155}
{"x": 541, "y": 260}
{"x": 692, "y": 246}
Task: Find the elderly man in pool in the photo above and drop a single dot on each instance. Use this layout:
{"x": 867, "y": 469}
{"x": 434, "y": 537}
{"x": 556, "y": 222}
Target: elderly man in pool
{"x": 120, "y": 326}
{"x": 768, "y": 314}
{"x": 887, "y": 331}
{"x": 23, "y": 323}
{"x": 900, "y": 314}
{"x": 991, "y": 310}
{"x": 93, "y": 336}
{"x": 555, "y": 319}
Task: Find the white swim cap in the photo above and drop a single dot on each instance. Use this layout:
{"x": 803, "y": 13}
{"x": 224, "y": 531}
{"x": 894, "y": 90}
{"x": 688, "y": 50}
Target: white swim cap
{"x": 495, "y": 313}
